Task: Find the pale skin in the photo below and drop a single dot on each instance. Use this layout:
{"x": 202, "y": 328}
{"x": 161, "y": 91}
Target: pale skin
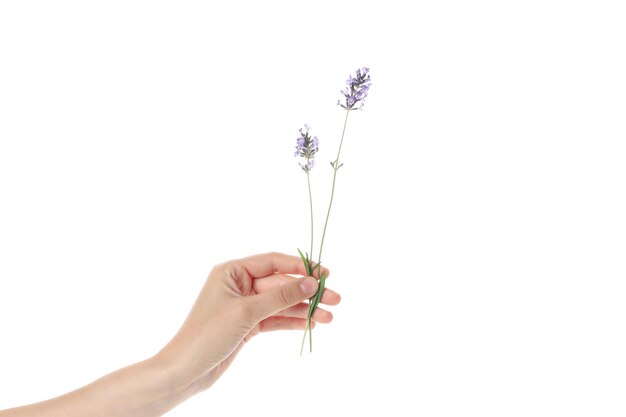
{"x": 240, "y": 299}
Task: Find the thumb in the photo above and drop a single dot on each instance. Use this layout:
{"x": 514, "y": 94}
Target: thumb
{"x": 269, "y": 303}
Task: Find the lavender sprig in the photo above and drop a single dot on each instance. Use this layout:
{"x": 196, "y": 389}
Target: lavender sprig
{"x": 307, "y": 147}
{"x": 357, "y": 89}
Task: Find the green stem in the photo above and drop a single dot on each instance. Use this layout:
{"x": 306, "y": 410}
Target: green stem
{"x": 332, "y": 193}
{"x": 313, "y": 302}
{"x": 304, "y": 337}
{"x": 307, "y": 263}
{"x": 308, "y": 180}
{"x": 310, "y": 336}
{"x": 308, "y": 321}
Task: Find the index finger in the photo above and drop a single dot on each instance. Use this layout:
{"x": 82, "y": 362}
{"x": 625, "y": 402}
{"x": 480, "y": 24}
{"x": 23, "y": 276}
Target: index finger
{"x": 259, "y": 266}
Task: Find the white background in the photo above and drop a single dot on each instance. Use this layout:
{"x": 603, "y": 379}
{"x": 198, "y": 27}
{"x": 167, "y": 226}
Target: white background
{"x": 478, "y": 237}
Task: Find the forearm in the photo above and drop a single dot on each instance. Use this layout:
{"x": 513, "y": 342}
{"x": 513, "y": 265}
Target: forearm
{"x": 232, "y": 307}
{"x": 145, "y": 389}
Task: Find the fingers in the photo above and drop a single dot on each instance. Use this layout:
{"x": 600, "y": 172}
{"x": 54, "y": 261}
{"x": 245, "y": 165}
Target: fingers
{"x": 270, "y": 263}
{"x": 266, "y": 304}
{"x": 302, "y": 311}
{"x": 261, "y": 285}
{"x": 283, "y": 323}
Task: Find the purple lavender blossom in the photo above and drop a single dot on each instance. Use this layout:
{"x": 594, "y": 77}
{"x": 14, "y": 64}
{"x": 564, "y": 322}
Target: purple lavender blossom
{"x": 307, "y": 147}
{"x": 356, "y": 89}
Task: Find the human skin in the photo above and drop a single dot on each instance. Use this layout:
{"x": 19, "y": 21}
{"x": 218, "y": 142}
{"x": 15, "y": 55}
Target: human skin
{"x": 240, "y": 299}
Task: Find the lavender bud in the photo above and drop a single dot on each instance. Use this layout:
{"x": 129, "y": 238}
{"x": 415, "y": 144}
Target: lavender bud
{"x": 307, "y": 147}
{"x": 357, "y": 88}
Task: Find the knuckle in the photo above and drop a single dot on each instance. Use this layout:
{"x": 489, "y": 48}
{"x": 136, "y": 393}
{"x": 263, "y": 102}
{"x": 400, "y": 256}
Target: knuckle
{"x": 284, "y": 296}
{"x": 221, "y": 267}
{"x": 272, "y": 254}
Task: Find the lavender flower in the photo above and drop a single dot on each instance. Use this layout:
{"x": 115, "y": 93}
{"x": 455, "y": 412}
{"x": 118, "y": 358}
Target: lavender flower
{"x": 307, "y": 147}
{"x": 356, "y": 89}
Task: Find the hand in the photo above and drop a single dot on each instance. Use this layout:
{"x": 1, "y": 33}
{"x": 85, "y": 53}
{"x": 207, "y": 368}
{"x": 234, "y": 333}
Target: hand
{"x": 240, "y": 299}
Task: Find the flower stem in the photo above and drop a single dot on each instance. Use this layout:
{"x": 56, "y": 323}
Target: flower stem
{"x": 308, "y": 180}
{"x": 308, "y": 321}
{"x": 332, "y": 193}
{"x": 315, "y": 300}
{"x": 304, "y": 336}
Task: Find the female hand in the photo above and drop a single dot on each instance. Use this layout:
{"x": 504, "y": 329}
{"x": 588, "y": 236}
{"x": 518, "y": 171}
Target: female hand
{"x": 240, "y": 299}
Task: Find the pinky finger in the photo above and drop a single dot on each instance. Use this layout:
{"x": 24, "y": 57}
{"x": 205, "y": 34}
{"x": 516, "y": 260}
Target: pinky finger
{"x": 283, "y": 323}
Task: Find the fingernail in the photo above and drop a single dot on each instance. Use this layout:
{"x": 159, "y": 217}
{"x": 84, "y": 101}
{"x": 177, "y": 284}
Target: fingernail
{"x": 308, "y": 285}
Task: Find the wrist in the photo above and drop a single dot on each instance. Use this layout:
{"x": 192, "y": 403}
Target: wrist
{"x": 176, "y": 385}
